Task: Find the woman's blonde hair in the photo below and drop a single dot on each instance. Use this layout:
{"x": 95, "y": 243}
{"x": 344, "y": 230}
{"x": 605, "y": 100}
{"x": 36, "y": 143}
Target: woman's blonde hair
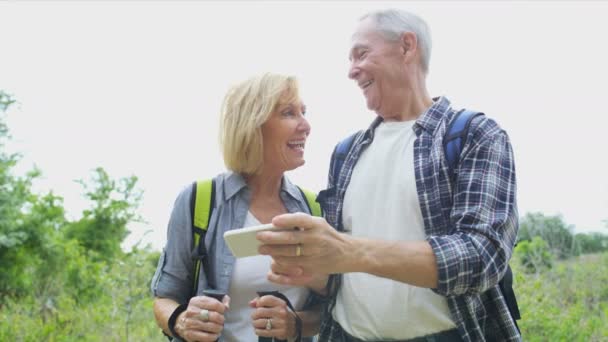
{"x": 246, "y": 106}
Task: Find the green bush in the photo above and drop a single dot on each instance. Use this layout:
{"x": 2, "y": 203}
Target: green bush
{"x": 120, "y": 310}
{"x": 534, "y": 255}
{"x": 568, "y": 302}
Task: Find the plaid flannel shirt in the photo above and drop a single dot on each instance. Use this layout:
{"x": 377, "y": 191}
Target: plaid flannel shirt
{"x": 471, "y": 223}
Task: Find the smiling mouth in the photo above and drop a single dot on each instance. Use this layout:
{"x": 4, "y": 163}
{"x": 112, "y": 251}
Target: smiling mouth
{"x": 296, "y": 145}
{"x": 366, "y": 85}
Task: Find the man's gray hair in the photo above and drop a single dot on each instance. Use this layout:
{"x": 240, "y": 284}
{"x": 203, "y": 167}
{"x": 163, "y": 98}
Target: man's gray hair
{"x": 393, "y": 22}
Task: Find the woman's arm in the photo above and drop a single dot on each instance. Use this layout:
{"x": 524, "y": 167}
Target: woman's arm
{"x": 191, "y": 324}
{"x": 163, "y": 308}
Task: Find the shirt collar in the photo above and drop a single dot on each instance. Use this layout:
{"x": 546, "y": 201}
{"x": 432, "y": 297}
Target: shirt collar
{"x": 429, "y": 120}
{"x": 235, "y": 182}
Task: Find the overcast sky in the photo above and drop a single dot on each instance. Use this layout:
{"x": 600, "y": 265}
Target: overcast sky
{"x": 136, "y": 88}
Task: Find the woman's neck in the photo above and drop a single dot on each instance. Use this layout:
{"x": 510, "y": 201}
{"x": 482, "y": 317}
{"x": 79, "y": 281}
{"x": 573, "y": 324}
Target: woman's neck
{"x": 264, "y": 185}
{"x": 265, "y": 200}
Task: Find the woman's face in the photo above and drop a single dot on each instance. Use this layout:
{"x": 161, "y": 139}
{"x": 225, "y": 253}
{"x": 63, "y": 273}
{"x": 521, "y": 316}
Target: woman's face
{"x": 284, "y": 136}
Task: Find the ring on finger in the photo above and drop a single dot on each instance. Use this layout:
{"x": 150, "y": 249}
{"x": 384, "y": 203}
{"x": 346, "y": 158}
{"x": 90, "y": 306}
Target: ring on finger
{"x": 268, "y": 324}
{"x": 204, "y": 315}
{"x": 299, "y": 250}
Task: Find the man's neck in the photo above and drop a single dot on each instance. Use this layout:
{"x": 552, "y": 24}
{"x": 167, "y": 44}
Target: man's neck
{"x": 412, "y": 105}
{"x": 413, "y": 101}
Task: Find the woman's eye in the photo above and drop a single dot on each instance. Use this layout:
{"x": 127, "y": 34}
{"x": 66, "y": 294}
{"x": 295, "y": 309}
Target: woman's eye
{"x": 288, "y": 113}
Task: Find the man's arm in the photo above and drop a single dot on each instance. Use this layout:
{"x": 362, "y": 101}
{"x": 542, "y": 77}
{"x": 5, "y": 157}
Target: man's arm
{"x": 326, "y": 251}
{"x": 471, "y": 259}
{"x": 411, "y": 262}
{"x": 475, "y": 257}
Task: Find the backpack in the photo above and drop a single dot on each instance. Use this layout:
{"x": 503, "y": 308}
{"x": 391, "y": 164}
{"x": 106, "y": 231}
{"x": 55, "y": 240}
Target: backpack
{"x": 202, "y": 202}
{"x": 453, "y": 141}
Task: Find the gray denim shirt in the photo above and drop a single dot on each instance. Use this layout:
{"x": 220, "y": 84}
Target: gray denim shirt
{"x": 174, "y": 274}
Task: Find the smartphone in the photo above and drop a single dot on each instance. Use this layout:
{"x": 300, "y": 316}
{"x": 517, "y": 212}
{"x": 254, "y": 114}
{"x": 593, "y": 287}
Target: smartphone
{"x": 242, "y": 242}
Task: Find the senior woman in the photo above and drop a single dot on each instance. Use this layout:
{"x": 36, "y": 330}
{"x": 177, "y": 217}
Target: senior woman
{"x": 263, "y": 135}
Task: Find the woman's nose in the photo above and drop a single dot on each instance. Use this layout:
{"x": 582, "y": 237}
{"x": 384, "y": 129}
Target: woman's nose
{"x": 304, "y": 125}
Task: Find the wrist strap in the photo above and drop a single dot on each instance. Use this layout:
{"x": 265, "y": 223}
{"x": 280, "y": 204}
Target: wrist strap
{"x": 286, "y": 300}
{"x": 171, "y": 323}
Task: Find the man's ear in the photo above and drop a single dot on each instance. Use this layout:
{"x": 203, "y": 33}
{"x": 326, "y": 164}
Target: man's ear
{"x": 409, "y": 43}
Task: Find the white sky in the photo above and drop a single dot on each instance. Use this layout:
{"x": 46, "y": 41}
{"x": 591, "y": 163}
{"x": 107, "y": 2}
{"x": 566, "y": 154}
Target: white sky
{"x": 136, "y": 88}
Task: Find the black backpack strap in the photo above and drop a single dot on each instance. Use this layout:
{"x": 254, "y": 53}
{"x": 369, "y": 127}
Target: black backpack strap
{"x": 506, "y": 286}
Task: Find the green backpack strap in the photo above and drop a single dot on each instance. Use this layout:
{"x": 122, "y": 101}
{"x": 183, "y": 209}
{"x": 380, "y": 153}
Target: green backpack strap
{"x": 202, "y": 203}
{"x": 311, "y": 201}
{"x": 203, "y": 198}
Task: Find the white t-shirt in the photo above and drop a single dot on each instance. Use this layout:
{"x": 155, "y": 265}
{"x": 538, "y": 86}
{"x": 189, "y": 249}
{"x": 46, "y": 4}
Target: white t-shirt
{"x": 381, "y": 202}
{"x": 249, "y": 276}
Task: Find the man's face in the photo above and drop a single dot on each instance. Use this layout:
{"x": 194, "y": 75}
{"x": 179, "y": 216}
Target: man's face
{"x": 378, "y": 67}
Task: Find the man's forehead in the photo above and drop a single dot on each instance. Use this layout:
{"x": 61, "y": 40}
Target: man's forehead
{"x": 365, "y": 32}
{"x": 364, "y": 26}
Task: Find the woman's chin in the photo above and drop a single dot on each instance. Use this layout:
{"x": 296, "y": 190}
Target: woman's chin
{"x": 296, "y": 164}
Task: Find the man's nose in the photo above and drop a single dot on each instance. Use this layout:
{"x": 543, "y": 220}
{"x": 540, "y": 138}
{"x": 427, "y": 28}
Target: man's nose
{"x": 353, "y": 72}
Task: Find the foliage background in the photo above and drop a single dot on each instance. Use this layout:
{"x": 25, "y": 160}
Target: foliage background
{"x": 69, "y": 280}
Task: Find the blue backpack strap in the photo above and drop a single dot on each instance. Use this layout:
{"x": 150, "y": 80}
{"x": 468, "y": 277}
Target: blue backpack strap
{"x": 456, "y": 137}
{"x": 201, "y": 207}
{"x": 453, "y": 141}
{"x": 340, "y": 154}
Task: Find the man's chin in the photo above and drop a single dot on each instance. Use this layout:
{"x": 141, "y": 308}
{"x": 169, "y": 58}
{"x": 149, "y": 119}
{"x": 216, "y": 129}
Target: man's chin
{"x": 372, "y": 106}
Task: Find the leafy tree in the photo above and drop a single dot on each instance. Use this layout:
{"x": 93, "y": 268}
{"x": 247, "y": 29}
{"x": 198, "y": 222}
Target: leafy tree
{"x": 552, "y": 229}
{"x": 591, "y": 242}
{"x": 5, "y": 101}
{"x": 42, "y": 253}
{"x": 102, "y": 228}
{"x": 64, "y": 280}
{"x": 15, "y": 194}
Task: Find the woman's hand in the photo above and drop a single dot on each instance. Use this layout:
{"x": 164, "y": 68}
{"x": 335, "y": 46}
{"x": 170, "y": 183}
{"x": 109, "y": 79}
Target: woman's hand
{"x": 272, "y": 318}
{"x": 203, "y": 320}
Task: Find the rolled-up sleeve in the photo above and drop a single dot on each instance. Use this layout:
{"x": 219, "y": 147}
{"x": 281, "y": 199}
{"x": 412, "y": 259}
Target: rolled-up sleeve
{"x": 173, "y": 276}
{"x": 474, "y": 257}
